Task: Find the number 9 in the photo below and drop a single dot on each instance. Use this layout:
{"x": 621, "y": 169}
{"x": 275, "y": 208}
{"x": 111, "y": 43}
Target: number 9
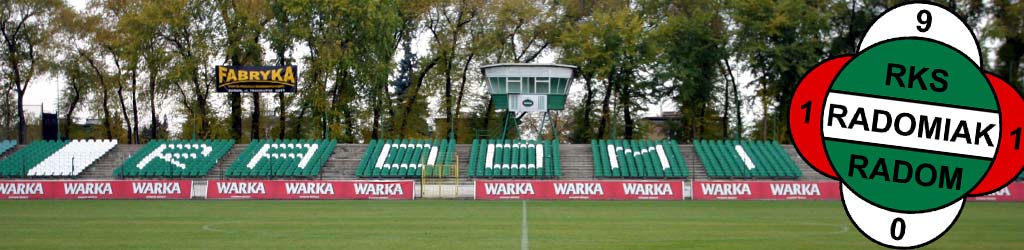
{"x": 925, "y": 19}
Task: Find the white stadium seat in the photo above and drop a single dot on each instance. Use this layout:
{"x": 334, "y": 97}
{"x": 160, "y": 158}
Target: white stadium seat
{"x": 73, "y": 158}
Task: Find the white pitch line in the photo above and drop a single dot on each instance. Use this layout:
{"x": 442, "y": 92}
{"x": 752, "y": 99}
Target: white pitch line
{"x": 209, "y": 227}
{"x": 525, "y": 243}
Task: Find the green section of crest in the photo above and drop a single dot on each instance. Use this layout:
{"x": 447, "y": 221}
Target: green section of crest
{"x": 910, "y": 196}
{"x": 966, "y": 86}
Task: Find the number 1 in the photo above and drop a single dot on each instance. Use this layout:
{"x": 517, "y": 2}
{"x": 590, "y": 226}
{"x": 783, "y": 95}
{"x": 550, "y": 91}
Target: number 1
{"x": 807, "y": 111}
{"x": 1016, "y": 142}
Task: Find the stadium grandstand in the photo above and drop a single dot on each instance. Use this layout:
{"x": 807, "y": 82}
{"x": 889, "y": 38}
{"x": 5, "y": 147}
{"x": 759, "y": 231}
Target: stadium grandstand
{"x": 55, "y": 158}
{"x": 282, "y": 158}
{"x": 515, "y": 159}
{"x": 405, "y": 159}
{"x": 519, "y": 124}
{"x": 740, "y": 159}
{"x": 169, "y": 159}
{"x": 638, "y": 159}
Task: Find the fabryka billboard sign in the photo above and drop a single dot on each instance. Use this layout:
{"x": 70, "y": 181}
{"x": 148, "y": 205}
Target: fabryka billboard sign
{"x": 256, "y": 79}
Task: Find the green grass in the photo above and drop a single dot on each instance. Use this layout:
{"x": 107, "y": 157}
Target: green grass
{"x": 467, "y": 225}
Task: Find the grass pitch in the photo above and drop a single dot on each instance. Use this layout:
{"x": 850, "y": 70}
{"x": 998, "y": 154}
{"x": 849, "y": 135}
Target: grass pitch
{"x": 468, "y": 225}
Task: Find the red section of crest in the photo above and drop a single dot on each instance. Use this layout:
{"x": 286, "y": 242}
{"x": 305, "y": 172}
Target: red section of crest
{"x": 806, "y": 130}
{"x": 1009, "y": 159}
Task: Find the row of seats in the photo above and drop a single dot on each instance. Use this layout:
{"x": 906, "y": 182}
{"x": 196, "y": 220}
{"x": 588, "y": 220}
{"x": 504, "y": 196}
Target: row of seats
{"x": 188, "y": 158}
{"x": 407, "y": 158}
{"x": 19, "y": 163}
{"x": 638, "y": 159}
{"x": 73, "y": 158}
{"x": 282, "y": 158}
{"x": 734, "y": 159}
{"x": 7, "y": 145}
{"x": 514, "y": 159}
{"x": 723, "y": 159}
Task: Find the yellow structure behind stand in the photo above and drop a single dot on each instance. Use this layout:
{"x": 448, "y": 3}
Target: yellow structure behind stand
{"x": 439, "y": 176}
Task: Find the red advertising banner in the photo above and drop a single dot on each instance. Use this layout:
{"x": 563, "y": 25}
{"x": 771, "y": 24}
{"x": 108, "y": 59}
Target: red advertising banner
{"x": 66, "y": 190}
{"x": 1012, "y": 192}
{"x": 310, "y": 190}
{"x": 578, "y": 190}
{"x": 766, "y": 190}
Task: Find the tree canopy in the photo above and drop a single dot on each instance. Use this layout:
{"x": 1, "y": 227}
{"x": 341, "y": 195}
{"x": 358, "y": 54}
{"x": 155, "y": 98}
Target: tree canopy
{"x": 136, "y": 70}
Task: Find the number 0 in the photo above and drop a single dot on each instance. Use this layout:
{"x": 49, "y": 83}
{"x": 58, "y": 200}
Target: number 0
{"x": 925, "y": 19}
{"x": 902, "y": 228}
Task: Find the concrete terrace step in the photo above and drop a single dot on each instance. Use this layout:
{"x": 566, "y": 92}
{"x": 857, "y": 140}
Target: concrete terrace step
{"x": 104, "y": 167}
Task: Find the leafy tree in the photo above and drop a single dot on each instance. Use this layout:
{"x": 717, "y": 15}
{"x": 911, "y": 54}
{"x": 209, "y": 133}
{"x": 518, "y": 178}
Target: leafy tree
{"x": 1008, "y": 26}
{"x": 614, "y": 45}
{"x": 187, "y": 27}
{"x": 26, "y": 30}
{"x": 779, "y": 40}
{"x": 243, "y": 24}
{"x": 693, "y": 38}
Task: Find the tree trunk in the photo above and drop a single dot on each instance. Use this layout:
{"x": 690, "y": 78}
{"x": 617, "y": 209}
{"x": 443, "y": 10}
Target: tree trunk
{"x": 135, "y": 105}
{"x": 120, "y": 97}
{"x": 236, "y": 115}
{"x": 602, "y": 128}
{"x": 413, "y": 93}
{"x": 124, "y": 111}
{"x": 375, "y": 131}
{"x": 462, "y": 90}
{"x": 626, "y": 114}
{"x": 105, "y": 97}
{"x": 72, "y": 105}
{"x": 202, "y": 106}
{"x": 21, "y": 115}
{"x": 107, "y": 123}
{"x": 588, "y": 102}
{"x": 255, "y": 116}
{"x": 282, "y": 116}
{"x": 6, "y": 113}
{"x": 764, "y": 109}
{"x": 300, "y": 117}
{"x": 153, "y": 125}
{"x": 19, "y": 89}
{"x": 487, "y": 114}
{"x": 736, "y": 98}
{"x": 725, "y": 113}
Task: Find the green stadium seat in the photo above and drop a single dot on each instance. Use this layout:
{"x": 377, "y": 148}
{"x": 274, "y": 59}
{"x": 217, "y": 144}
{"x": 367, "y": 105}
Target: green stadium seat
{"x": 54, "y": 158}
{"x": 514, "y": 159}
{"x": 175, "y": 159}
{"x": 728, "y": 159}
{"x": 638, "y": 159}
{"x": 406, "y": 158}
{"x": 282, "y": 158}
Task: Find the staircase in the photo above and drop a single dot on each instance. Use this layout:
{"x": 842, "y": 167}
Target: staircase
{"x": 103, "y": 168}
{"x": 577, "y": 161}
{"x": 697, "y": 170}
{"x": 809, "y": 174}
{"x": 343, "y": 162}
{"x": 217, "y": 172}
